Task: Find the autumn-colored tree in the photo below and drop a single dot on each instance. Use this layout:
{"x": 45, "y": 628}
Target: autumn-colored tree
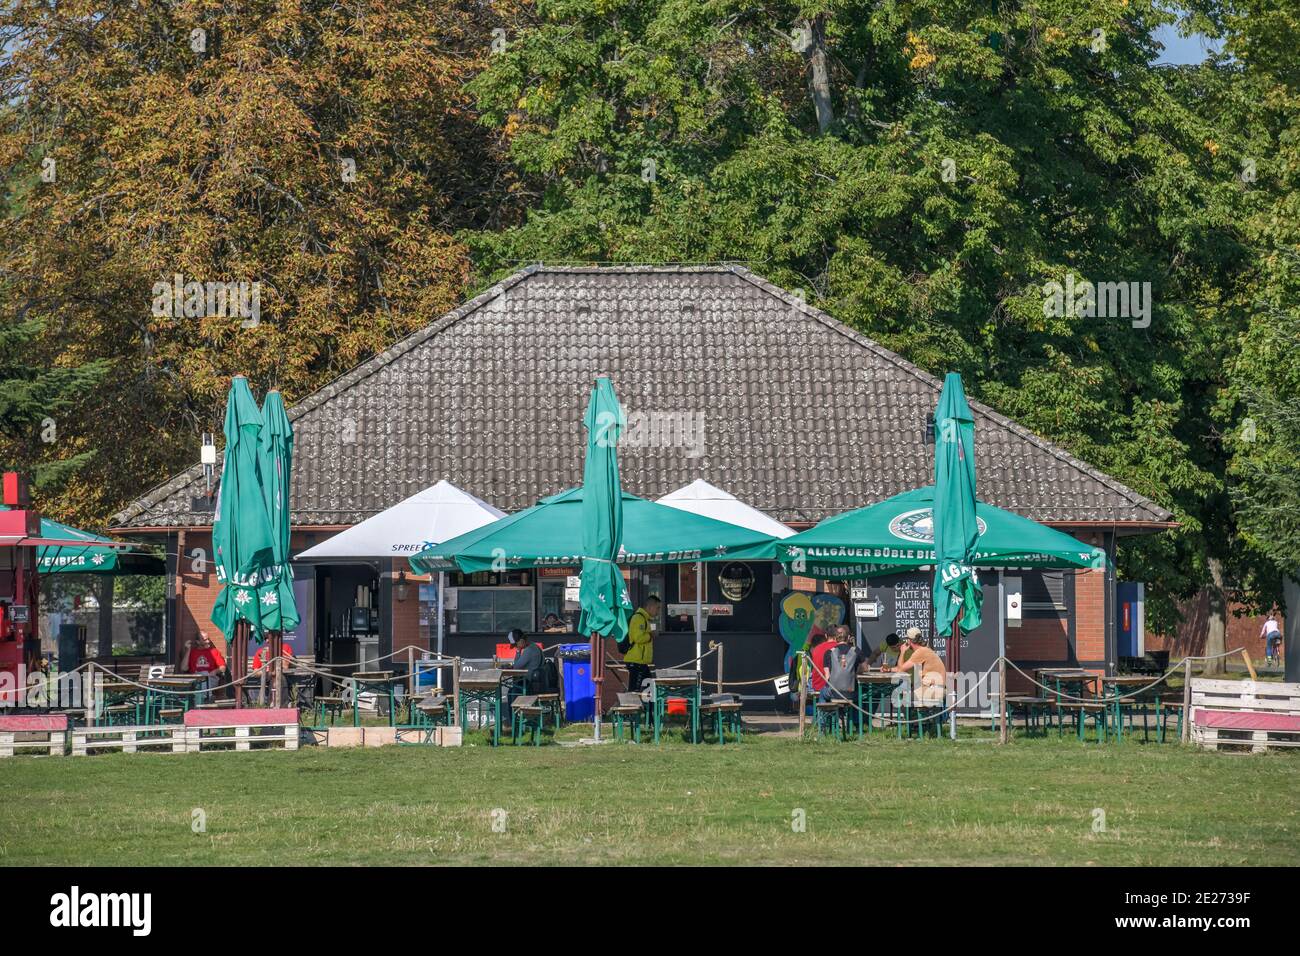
{"x": 296, "y": 170}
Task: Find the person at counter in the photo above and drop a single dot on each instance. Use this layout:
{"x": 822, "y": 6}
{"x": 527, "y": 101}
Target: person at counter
{"x": 886, "y": 655}
{"x": 528, "y": 657}
{"x": 640, "y": 655}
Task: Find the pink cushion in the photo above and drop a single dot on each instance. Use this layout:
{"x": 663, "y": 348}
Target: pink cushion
{"x": 34, "y": 722}
{"x": 1246, "y": 720}
{"x": 247, "y": 717}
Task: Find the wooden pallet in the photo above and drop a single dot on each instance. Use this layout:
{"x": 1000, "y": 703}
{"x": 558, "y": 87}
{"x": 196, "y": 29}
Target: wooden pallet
{"x": 1255, "y": 715}
{"x": 25, "y": 732}
{"x": 267, "y": 727}
{"x": 165, "y": 738}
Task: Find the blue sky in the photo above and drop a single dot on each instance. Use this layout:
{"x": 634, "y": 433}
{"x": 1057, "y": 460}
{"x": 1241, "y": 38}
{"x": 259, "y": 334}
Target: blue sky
{"x": 1182, "y": 50}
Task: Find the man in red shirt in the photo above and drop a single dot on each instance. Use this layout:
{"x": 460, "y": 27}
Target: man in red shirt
{"x": 264, "y": 654}
{"x": 818, "y": 646}
{"x": 205, "y": 659}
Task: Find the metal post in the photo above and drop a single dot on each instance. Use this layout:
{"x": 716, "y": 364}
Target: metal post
{"x": 410, "y": 669}
{"x": 455, "y": 689}
{"x": 598, "y": 677}
{"x": 1187, "y": 699}
{"x": 719, "y": 646}
{"x": 442, "y": 584}
{"x": 1003, "y": 732}
{"x": 699, "y": 616}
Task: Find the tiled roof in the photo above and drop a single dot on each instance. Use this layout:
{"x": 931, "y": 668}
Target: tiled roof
{"x": 801, "y": 417}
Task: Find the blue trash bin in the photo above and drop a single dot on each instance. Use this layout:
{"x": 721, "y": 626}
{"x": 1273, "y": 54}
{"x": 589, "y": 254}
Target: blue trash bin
{"x": 579, "y": 688}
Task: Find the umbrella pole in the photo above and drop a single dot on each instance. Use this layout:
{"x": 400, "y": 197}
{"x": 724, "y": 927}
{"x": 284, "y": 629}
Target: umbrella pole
{"x": 699, "y": 619}
{"x": 598, "y": 676}
{"x": 442, "y": 583}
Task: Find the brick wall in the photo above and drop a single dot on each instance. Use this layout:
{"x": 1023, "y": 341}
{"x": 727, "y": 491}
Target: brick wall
{"x": 1189, "y": 638}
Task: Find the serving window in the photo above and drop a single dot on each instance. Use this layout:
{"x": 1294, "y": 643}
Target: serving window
{"x": 494, "y": 610}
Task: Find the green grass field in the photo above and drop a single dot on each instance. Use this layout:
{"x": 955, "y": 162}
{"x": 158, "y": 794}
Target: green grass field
{"x": 880, "y": 802}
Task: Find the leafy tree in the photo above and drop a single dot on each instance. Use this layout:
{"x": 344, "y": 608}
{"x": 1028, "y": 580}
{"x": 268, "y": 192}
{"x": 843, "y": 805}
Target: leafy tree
{"x": 921, "y": 170}
{"x": 323, "y": 151}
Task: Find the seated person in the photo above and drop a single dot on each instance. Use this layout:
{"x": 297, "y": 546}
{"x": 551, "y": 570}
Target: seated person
{"x": 916, "y": 654}
{"x": 818, "y": 647}
{"x": 553, "y": 623}
{"x": 205, "y": 659}
{"x": 886, "y": 655}
{"x": 842, "y": 665}
{"x": 264, "y": 654}
{"x": 528, "y": 657}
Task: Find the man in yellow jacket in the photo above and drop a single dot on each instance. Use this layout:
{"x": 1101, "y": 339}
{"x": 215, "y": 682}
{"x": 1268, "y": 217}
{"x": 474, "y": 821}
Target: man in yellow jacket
{"x": 640, "y": 654}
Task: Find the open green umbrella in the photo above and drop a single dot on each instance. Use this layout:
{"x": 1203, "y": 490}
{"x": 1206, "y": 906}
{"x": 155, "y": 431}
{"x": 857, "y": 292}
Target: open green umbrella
{"x": 603, "y": 595}
{"x": 549, "y": 534}
{"x": 243, "y": 546}
{"x": 897, "y": 534}
{"x": 275, "y": 462}
{"x": 957, "y": 591}
{"x": 80, "y": 552}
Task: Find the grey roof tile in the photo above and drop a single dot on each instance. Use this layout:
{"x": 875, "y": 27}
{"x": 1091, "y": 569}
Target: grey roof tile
{"x": 802, "y": 416}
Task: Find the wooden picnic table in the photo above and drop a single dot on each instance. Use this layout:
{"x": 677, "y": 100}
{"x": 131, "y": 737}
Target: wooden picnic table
{"x": 176, "y": 689}
{"x": 667, "y": 681}
{"x": 873, "y": 687}
{"x": 1116, "y": 693}
{"x": 363, "y": 681}
{"x": 485, "y": 687}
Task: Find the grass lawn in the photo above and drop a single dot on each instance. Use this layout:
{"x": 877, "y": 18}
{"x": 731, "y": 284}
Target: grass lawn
{"x": 879, "y": 802}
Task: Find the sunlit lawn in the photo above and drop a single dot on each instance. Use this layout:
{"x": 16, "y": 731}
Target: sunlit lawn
{"x": 879, "y": 802}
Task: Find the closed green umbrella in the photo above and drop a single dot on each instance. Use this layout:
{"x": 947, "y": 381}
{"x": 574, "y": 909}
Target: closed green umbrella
{"x": 243, "y": 545}
{"x": 603, "y": 594}
{"x": 550, "y": 534}
{"x": 275, "y": 462}
{"x": 897, "y": 534}
{"x": 957, "y": 591}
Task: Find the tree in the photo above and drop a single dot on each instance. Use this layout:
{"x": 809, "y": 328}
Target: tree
{"x": 296, "y": 171}
{"x": 922, "y": 170}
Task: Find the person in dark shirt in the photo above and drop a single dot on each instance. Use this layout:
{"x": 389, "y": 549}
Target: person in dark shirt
{"x": 528, "y": 657}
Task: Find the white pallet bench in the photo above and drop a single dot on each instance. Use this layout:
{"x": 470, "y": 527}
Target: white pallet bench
{"x": 167, "y": 738}
{"x": 243, "y": 729}
{"x": 46, "y": 732}
{"x": 1258, "y": 715}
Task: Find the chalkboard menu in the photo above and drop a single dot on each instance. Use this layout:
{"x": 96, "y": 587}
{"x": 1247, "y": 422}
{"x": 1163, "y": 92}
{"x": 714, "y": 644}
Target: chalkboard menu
{"x": 905, "y": 602}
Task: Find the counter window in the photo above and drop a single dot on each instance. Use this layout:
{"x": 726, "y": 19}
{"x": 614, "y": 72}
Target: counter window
{"x": 494, "y": 610}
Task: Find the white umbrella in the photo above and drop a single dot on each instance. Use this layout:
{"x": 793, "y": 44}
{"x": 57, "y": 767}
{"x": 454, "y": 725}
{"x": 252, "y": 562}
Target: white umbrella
{"x": 428, "y": 517}
{"x": 702, "y": 498}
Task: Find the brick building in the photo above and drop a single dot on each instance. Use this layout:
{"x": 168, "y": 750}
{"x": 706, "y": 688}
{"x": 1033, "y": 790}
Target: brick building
{"x": 725, "y": 377}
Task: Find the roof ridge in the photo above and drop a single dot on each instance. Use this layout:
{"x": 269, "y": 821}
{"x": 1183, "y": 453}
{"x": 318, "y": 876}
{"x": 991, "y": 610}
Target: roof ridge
{"x": 998, "y": 418}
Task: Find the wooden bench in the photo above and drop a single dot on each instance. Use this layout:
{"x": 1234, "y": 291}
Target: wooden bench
{"x": 128, "y": 739}
{"x": 46, "y": 732}
{"x": 629, "y": 710}
{"x": 831, "y": 714}
{"x": 725, "y": 711}
{"x": 217, "y": 729}
{"x": 1230, "y": 714}
{"x": 527, "y": 716}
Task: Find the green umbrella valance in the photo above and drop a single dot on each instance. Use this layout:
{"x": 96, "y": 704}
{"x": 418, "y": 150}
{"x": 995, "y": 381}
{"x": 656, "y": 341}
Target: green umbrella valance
{"x": 897, "y": 534}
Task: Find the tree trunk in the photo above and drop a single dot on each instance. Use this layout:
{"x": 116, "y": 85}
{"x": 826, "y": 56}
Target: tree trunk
{"x": 1217, "y": 631}
{"x": 1291, "y": 629}
{"x": 819, "y": 76}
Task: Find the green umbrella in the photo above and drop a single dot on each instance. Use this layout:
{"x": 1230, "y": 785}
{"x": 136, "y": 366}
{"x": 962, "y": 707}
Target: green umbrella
{"x": 897, "y": 534}
{"x": 603, "y": 595}
{"x": 243, "y": 545}
{"x": 549, "y": 534}
{"x": 957, "y": 591}
{"x": 86, "y": 553}
{"x": 275, "y": 462}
